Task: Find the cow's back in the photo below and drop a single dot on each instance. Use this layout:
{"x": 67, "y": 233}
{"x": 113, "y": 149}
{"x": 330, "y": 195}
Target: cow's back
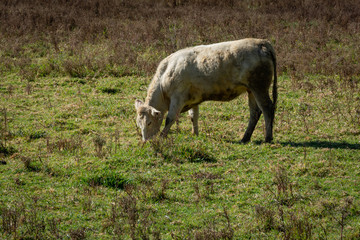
{"x": 220, "y": 71}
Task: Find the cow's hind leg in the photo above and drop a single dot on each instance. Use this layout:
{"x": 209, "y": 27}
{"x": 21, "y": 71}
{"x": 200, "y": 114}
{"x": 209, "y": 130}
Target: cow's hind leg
{"x": 267, "y": 107}
{"x": 255, "y": 114}
{"x": 194, "y": 116}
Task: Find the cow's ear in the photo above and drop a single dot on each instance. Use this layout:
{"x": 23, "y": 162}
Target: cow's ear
{"x": 138, "y": 103}
{"x": 155, "y": 113}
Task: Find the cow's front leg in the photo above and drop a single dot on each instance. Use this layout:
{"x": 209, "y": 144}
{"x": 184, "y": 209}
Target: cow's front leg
{"x": 174, "y": 111}
{"x": 194, "y": 116}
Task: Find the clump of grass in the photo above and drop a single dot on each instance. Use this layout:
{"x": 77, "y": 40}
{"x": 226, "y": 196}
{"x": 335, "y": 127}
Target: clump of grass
{"x": 5, "y": 134}
{"x": 11, "y": 218}
{"x": 265, "y": 217}
{"x": 206, "y": 175}
{"x": 11, "y": 89}
{"x": 78, "y": 234}
{"x": 212, "y": 231}
{"x": 64, "y": 144}
{"x": 106, "y": 179}
{"x": 197, "y": 155}
{"x": 75, "y": 68}
{"x": 99, "y": 143}
{"x": 28, "y": 88}
{"x": 154, "y": 190}
{"x": 160, "y": 194}
{"x": 203, "y": 191}
{"x": 170, "y": 151}
{"x": 53, "y": 224}
{"x": 284, "y": 187}
{"x": 110, "y": 90}
{"x": 340, "y": 212}
{"x": 6, "y": 150}
{"x": 27, "y": 222}
{"x": 279, "y": 212}
{"x": 30, "y": 164}
{"x": 216, "y": 229}
{"x": 129, "y": 217}
{"x": 87, "y": 201}
{"x": 37, "y": 135}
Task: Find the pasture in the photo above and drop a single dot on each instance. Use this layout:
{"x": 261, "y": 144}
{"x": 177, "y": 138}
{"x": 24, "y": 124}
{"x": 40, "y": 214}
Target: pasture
{"x": 72, "y": 162}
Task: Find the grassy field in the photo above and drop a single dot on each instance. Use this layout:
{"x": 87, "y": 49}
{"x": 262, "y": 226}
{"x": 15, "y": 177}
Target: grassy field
{"x": 73, "y": 166}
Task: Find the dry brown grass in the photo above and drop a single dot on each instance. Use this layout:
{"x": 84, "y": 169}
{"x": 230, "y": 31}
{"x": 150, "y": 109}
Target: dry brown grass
{"x": 130, "y": 37}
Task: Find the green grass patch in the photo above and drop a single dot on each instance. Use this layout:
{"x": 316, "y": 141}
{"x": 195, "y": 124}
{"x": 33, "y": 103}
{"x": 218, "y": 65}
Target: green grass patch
{"x": 106, "y": 179}
{"x": 74, "y": 154}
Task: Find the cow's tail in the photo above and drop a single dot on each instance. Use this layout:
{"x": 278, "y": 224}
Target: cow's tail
{"x": 274, "y": 90}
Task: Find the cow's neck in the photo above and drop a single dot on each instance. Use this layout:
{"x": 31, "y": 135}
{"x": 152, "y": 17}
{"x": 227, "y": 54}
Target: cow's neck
{"x": 155, "y": 98}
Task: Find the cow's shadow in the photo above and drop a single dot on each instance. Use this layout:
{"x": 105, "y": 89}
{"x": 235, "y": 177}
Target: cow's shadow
{"x": 322, "y": 144}
{"x": 311, "y": 144}
{"x": 319, "y": 144}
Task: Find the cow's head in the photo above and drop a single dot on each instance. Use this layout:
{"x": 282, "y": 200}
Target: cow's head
{"x": 148, "y": 119}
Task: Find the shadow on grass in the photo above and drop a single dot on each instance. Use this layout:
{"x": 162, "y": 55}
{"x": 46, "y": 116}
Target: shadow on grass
{"x": 322, "y": 144}
{"x": 313, "y": 144}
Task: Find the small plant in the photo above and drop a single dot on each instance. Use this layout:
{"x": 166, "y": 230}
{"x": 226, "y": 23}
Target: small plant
{"x": 106, "y": 179}
{"x": 28, "y": 72}
{"x": 10, "y": 90}
{"x": 160, "y": 194}
{"x": 197, "y": 192}
{"x": 63, "y": 144}
{"x": 78, "y": 234}
{"x": 27, "y": 222}
{"x": 5, "y": 150}
{"x": 299, "y": 226}
{"x": 305, "y": 111}
{"x": 214, "y": 229}
{"x": 11, "y": 218}
{"x": 128, "y": 218}
{"x": 28, "y": 88}
{"x": 197, "y": 155}
{"x": 30, "y": 164}
{"x": 278, "y": 212}
{"x": 99, "y": 143}
{"x": 265, "y": 217}
{"x": 169, "y": 151}
{"x": 75, "y": 68}
{"x": 3, "y": 128}
{"x": 284, "y": 194}
{"x": 35, "y": 224}
{"x": 203, "y": 192}
{"x": 340, "y": 212}
{"x": 87, "y": 200}
{"x": 53, "y": 228}
{"x": 110, "y": 90}
{"x": 37, "y": 135}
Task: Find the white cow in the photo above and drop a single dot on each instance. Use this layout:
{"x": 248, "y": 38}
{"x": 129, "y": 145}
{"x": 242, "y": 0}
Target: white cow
{"x": 219, "y": 72}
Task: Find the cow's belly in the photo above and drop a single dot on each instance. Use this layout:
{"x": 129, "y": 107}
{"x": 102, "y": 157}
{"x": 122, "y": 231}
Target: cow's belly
{"x": 226, "y": 94}
{"x": 197, "y": 96}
